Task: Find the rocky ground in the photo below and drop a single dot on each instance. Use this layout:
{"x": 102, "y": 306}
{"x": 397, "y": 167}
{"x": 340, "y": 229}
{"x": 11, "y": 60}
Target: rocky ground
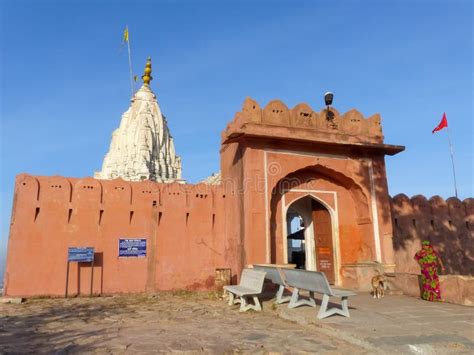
{"x": 146, "y": 324}
{"x": 199, "y": 322}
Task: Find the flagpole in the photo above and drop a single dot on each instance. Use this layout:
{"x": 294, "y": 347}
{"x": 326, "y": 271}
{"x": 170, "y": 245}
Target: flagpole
{"x": 130, "y": 62}
{"x": 452, "y": 161}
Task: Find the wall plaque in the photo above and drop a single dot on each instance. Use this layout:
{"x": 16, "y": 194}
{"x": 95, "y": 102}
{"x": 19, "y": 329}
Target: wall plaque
{"x": 132, "y": 248}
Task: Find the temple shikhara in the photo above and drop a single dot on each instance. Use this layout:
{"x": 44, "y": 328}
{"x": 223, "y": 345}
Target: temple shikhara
{"x": 142, "y": 147}
{"x": 297, "y": 186}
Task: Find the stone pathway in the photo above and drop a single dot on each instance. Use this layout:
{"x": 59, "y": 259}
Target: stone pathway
{"x": 163, "y": 323}
{"x": 397, "y": 324}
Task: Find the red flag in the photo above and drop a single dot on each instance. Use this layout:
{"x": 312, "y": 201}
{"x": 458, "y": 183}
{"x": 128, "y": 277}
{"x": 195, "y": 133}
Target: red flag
{"x": 442, "y": 124}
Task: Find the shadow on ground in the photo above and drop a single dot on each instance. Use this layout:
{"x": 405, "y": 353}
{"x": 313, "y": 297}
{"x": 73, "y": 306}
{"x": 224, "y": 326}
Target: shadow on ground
{"x": 43, "y": 327}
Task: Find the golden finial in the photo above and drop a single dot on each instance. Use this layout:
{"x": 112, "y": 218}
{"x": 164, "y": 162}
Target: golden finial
{"x": 147, "y": 73}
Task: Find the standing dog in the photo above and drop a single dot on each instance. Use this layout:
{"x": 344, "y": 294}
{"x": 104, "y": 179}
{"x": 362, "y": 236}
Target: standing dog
{"x": 378, "y": 281}
{"x": 378, "y": 286}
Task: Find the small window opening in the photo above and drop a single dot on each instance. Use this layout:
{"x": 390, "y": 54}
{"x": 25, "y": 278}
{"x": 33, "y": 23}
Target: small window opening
{"x": 101, "y": 213}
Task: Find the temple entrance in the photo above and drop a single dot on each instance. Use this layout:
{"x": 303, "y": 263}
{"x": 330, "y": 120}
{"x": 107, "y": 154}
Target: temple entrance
{"x": 323, "y": 239}
{"x": 309, "y": 238}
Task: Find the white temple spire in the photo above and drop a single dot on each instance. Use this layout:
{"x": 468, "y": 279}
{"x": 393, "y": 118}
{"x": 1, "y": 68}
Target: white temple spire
{"x": 142, "y": 147}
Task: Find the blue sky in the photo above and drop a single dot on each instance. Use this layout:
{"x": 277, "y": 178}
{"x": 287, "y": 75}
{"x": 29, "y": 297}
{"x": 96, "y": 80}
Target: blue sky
{"x": 64, "y": 84}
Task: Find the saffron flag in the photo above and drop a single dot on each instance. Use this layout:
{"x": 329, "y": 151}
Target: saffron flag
{"x": 442, "y": 124}
{"x": 125, "y": 34}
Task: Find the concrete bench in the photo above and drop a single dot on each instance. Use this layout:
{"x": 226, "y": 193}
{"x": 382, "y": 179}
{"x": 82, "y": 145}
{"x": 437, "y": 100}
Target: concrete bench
{"x": 251, "y": 285}
{"x": 315, "y": 282}
{"x": 274, "y": 275}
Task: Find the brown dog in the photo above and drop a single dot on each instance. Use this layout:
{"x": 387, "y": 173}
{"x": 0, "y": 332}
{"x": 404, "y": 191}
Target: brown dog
{"x": 378, "y": 286}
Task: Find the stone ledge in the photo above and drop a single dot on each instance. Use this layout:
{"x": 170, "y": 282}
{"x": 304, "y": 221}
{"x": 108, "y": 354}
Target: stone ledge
{"x": 15, "y": 300}
{"x": 358, "y": 276}
{"x": 458, "y": 289}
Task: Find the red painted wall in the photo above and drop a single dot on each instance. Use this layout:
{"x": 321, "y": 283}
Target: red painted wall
{"x": 193, "y": 229}
{"x": 186, "y": 227}
{"x": 448, "y": 225}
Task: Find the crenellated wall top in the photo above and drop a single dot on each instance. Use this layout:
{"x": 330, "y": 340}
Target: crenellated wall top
{"x": 41, "y": 190}
{"x": 302, "y": 122}
{"x": 404, "y": 205}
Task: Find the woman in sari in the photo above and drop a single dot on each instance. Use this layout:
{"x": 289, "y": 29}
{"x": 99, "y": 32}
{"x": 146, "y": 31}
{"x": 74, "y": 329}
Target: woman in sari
{"x": 429, "y": 261}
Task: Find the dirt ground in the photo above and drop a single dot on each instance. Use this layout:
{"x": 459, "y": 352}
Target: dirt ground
{"x": 165, "y": 322}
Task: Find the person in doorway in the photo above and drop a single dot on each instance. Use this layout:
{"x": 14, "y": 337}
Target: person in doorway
{"x": 429, "y": 261}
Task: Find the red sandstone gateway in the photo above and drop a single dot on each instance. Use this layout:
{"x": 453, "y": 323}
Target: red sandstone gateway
{"x": 277, "y": 164}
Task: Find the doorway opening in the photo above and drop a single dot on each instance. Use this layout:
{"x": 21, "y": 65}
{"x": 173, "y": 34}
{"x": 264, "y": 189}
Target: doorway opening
{"x": 296, "y": 240}
{"x": 309, "y": 237}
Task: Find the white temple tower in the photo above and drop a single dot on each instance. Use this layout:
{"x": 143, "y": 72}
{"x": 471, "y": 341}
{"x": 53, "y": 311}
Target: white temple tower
{"x": 142, "y": 147}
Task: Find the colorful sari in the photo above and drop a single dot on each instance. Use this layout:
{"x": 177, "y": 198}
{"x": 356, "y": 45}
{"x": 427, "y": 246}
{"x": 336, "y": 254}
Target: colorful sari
{"x": 429, "y": 261}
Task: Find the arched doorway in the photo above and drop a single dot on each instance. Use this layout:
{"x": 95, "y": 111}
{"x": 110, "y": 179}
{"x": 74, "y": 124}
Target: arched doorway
{"x": 296, "y": 243}
{"x": 310, "y": 236}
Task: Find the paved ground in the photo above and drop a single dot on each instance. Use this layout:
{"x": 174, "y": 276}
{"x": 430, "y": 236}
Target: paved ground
{"x": 397, "y": 324}
{"x": 201, "y": 323}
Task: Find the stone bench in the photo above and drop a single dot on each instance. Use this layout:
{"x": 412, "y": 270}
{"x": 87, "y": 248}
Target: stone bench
{"x": 251, "y": 285}
{"x": 315, "y": 282}
{"x": 274, "y": 275}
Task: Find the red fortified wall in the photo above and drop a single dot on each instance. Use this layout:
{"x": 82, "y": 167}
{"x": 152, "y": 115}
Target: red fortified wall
{"x": 449, "y": 225}
{"x": 188, "y": 232}
{"x": 273, "y": 159}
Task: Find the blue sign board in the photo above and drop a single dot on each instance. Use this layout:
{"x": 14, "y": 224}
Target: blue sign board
{"x": 80, "y": 255}
{"x": 132, "y": 248}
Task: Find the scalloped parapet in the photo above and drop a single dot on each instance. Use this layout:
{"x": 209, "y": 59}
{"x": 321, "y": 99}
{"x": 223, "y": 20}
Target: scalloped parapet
{"x": 302, "y": 122}
{"x": 451, "y": 211}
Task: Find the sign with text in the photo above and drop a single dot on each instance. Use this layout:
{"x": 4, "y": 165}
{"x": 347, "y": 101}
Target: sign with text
{"x": 81, "y": 255}
{"x": 132, "y": 248}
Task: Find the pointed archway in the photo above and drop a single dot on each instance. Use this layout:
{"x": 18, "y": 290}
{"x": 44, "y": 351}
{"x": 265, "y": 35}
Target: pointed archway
{"x": 311, "y": 243}
{"x": 342, "y": 233}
